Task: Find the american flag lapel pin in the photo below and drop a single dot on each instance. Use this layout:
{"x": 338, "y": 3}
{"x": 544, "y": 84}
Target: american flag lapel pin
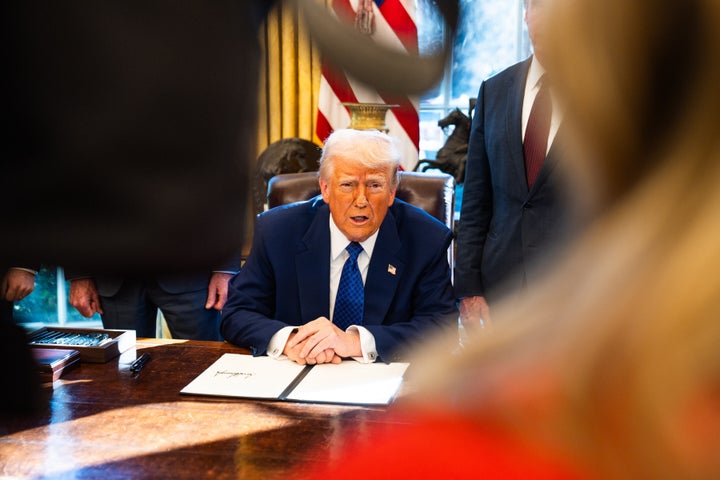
{"x": 391, "y": 269}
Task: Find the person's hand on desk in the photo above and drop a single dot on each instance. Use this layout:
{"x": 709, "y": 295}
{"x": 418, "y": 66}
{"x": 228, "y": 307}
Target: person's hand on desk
{"x": 321, "y": 335}
{"x": 84, "y": 297}
{"x": 294, "y": 353}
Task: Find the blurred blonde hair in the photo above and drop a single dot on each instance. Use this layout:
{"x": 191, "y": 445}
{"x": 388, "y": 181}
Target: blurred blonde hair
{"x": 610, "y": 355}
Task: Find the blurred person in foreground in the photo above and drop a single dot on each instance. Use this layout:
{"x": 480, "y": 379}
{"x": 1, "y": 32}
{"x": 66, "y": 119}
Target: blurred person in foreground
{"x": 612, "y": 369}
{"x": 290, "y": 299}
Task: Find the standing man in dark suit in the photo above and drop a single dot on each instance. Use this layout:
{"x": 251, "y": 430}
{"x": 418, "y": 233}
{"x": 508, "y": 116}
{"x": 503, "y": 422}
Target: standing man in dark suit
{"x": 291, "y": 298}
{"x": 190, "y": 302}
{"x": 514, "y": 209}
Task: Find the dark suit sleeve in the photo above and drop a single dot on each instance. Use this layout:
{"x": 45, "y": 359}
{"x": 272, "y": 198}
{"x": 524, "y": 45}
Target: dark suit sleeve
{"x": 476, "y": 210}
{"x": 247, "y": 317}
{"x": 231, "y": 264}
{"x": 71, "y": 275}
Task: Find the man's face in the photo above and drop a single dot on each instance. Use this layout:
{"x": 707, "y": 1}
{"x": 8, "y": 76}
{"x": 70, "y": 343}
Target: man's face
{"x": 359, "y": 198}
{"x": 537, "y": 23}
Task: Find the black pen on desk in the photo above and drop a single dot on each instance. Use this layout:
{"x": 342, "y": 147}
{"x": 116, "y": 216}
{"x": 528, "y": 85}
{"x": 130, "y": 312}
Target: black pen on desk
{"x": 139, "y": 363}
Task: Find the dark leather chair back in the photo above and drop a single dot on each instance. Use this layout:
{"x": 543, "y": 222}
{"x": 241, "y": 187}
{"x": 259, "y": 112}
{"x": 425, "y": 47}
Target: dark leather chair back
{"x": 433, "y": 192}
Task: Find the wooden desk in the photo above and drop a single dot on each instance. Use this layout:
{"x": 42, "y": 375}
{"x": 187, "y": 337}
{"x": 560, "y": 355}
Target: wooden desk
{"x": 103, "y": 421}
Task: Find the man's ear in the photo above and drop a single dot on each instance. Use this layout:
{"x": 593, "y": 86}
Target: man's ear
{"x": 324, "y": 189}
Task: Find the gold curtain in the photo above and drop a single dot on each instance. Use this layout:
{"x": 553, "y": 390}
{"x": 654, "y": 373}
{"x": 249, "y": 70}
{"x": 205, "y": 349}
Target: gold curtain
{"x": 289, "y": 79}
{"x": 288, "y": 88}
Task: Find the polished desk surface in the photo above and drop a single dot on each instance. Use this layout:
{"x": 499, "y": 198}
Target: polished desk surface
{"x": 103, "y": 421}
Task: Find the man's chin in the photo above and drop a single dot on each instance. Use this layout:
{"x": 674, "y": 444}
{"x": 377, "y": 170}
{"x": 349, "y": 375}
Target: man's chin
{"x": 358, "y": 234}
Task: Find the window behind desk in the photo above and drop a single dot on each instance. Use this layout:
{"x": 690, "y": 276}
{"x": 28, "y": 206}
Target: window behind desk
{"x": 48, "y": 304}
{"x": 491, "y": 37}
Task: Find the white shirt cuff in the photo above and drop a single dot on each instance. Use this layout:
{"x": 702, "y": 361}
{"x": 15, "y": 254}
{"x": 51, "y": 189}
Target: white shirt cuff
{"x": 276, "y": 347}
{"x": 367, "y": 344}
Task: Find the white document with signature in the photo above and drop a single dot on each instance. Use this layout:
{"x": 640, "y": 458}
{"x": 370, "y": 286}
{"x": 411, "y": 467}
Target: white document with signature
{"x": 237, "y": 375}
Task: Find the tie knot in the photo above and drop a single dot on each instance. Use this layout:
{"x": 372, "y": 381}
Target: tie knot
{"x": 354, "y": 249}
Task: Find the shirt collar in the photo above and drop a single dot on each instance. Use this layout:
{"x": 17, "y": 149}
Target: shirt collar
{"x": 536, "y": 71}
{"x": 338, "y": 241}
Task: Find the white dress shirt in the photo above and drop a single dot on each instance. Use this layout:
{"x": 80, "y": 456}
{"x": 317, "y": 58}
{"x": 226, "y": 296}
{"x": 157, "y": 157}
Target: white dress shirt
{"x": 531, "y": 90}
{"x": 338, "y": 256}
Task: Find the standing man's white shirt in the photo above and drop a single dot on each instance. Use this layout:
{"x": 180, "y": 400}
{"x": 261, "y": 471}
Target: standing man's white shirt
{"x": 532, "y": 86}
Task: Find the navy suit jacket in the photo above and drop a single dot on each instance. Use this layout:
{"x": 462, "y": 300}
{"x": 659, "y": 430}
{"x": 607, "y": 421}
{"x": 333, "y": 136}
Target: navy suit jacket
{"x": 285, "y": 280}
{"x": 505, "y": 229}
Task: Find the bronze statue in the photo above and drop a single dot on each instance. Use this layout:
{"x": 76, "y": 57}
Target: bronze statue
{"x": 452, "y": 155}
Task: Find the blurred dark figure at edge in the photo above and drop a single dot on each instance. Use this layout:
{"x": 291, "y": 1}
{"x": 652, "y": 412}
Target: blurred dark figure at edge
{"x": 127, "y": 132}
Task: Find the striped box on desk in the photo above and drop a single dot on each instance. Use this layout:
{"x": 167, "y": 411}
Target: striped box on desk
{"x": 95, "y": 345}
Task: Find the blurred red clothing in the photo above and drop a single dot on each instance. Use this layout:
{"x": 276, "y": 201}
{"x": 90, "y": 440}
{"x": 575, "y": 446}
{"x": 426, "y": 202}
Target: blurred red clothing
{"x": 444, "y": 446}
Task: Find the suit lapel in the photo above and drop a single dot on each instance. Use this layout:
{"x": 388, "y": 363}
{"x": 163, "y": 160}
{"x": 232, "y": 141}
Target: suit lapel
{"x": 313, "y": 268}
{"x": 514, "y": 123}
{"x": 516, "y": 144}
{"x": 384, "y": 272}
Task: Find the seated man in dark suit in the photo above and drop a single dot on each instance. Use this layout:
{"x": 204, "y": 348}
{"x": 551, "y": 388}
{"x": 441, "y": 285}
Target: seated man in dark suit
{"x": 292, "y": 296}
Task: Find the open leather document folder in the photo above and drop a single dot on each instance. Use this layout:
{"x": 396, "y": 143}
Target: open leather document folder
{"x": 351, "y": 382}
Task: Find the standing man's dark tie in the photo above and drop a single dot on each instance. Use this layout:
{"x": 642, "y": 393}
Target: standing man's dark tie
{"x": 350, "y": 295}
{"x": 537, "y": 132}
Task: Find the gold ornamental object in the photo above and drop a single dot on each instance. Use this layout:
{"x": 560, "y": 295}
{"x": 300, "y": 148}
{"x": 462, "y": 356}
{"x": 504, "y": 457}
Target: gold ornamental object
{"x": 368, "y": 116}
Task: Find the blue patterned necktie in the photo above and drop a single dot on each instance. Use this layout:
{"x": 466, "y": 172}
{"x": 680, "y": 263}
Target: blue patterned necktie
{"x": 350, "y": 295}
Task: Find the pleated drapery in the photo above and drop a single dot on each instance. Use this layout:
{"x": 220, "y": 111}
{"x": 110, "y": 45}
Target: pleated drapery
{"x": 289, "y": 79}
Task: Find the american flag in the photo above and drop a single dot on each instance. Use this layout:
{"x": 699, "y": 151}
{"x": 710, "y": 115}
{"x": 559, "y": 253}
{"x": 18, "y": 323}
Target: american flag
{"x": 392, "y": 23}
